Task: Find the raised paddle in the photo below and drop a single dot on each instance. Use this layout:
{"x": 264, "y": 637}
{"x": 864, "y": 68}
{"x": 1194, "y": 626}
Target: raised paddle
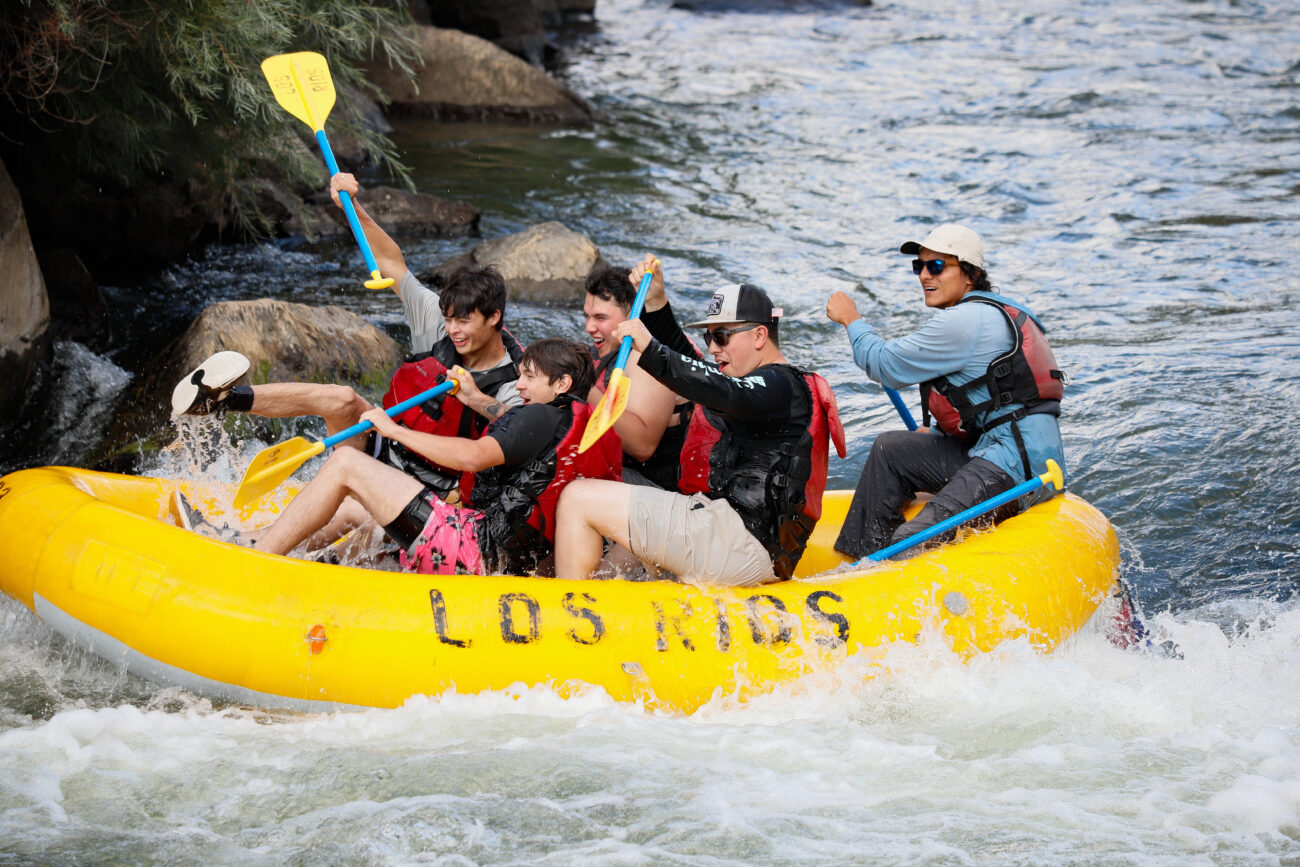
{"x": 1053, "y": 476}
{"x": 897, "y": 400}
{"x": 276, "y": 463}
{"x": 302, "y": 84}
{"x": 614, "y": 400}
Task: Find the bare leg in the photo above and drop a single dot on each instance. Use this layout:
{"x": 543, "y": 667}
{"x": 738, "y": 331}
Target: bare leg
{"x": 590, "y": 510}
{"x": 339, "y": 405}
{"x": 380, "y": 489}
{"x": 349, "y": 516}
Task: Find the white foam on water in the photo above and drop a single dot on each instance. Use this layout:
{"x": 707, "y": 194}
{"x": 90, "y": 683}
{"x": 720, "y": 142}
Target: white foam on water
{"x": 1090, "y": 753}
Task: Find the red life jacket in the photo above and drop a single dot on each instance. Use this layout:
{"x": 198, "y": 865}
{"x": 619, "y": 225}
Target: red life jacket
{"x": 1025, "y": 374}
{"x": 776, "y": 491}
{"x": 662, "y": 466}
{"x": 445, "y": 416}
{"x": 512, "y": 498}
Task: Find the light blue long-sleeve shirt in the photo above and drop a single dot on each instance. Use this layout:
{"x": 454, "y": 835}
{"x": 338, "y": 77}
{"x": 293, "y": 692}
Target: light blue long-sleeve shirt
{"x": 959, "y": 342}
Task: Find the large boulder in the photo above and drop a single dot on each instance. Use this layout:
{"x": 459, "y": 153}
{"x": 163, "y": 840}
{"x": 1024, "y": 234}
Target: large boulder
{"x": 468, "y": 78}
{"x": 547, "y": 263}
{"x": 515, "y": 25}
{"x": 518, "y": 26}
{"x": 285, "y": 342}
{"x": 24, "y": 305}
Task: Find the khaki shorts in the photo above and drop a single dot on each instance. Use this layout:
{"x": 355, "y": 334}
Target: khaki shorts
{"x": 702, "y": 541}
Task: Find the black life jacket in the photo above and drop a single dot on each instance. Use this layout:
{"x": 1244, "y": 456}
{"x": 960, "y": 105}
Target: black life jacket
{"x": 445, "y": 416}
{"x": 776, "y": 491}
{"x": 664, "y": 466}
{"x": 518, "y": 503}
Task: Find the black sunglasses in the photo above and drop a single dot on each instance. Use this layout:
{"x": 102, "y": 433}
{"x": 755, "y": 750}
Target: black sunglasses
{"x": 934, "y": 266}
{"x": 722, "y": 335}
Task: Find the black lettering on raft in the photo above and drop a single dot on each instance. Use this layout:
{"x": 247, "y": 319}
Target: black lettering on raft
{"x": 760, "y": 636}
{"x": 597, "y": 625}
{"x": 508, "y": 633}
{"x": 439, "y": 606}
{"x": 5, "y": 490}
{"x": 841, "y": 622}
{"x": 661, "y": 627}
{"x": 724, "y": 627}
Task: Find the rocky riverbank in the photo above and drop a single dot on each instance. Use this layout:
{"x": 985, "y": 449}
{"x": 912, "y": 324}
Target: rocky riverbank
{"x": 50, "y": 289}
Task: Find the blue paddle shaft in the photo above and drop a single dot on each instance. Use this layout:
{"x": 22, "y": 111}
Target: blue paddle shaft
{"x": 903, "y": 412}
{"x": 333, "y": 166}
{"x": 391, "y": 412}
{"x": 638, "y": 304}
{"x": 960, "y": 518}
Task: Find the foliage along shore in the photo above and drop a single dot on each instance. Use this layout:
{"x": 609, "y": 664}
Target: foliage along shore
{"x": 138, "y": 130}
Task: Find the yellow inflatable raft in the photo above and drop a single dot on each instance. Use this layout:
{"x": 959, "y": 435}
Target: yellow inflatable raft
{"x": 100, "y": 558}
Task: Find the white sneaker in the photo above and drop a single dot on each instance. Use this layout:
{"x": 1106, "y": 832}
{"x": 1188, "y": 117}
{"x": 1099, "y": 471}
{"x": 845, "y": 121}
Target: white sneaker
{"x": 206, "y": 386}
{"x": 193, "y": 520}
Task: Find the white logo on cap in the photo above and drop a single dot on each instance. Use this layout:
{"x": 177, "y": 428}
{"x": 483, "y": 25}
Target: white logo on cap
{"x": 715, "y": 305}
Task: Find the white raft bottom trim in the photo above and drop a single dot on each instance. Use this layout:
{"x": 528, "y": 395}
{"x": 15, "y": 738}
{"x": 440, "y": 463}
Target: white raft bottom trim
{"x": 112, "y": 650}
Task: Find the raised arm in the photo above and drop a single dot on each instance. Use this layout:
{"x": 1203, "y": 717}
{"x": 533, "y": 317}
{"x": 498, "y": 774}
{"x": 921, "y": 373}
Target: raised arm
{"x": 388, "y": 256}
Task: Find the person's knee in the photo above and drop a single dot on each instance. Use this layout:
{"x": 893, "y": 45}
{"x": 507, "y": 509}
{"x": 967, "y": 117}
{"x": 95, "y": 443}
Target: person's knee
{"x": 572, "y": 499}
{"x": 891, "y": 443}
{"x": 344, "y": 463}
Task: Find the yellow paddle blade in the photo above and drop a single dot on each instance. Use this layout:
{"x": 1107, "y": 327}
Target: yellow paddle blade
{"x": 302, "y": 84}
{"x": 272, "y": 466}
{"x": 607, "y": 412}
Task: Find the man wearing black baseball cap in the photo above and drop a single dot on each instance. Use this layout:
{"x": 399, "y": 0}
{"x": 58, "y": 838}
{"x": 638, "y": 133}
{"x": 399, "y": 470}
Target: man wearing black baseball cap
{"x": 753, "y": 466}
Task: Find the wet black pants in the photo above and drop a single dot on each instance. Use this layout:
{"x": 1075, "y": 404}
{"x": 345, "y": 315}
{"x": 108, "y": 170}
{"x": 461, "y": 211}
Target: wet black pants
{"x": 902, "y": 463}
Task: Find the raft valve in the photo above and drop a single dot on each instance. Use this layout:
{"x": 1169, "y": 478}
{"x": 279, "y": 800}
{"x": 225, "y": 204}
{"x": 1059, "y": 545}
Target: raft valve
{"x": 316, "y": 638}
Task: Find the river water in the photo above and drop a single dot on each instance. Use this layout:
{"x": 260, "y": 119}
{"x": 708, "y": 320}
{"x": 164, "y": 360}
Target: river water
{"x": 1134, "y": 169}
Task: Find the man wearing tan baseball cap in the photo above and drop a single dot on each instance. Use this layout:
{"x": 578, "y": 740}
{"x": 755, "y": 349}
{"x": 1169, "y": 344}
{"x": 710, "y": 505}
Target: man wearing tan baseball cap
{"x": 988, "y": 377}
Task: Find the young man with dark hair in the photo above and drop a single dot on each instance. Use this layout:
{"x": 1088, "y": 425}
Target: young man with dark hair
{"x": 514, "y": 475}
{"x": 753, "y": 465}
{"x": 460, "y": 329}
{"x": 653, "y": 424}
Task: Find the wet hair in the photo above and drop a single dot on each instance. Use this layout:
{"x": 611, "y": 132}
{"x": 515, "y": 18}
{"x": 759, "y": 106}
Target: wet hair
{"x": 474, "y": 287}
{"x": 610, "y": 283}
{"x": 978, "y": 277}
{"x": 555, "y": 358}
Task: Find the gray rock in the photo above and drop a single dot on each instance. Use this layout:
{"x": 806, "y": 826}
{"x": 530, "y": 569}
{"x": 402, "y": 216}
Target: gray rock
{"x": 285, "y": 342}
{"x": 547, "y": 263}
{"x": 24, "y": 304}
{"x": 468, "y": 78}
